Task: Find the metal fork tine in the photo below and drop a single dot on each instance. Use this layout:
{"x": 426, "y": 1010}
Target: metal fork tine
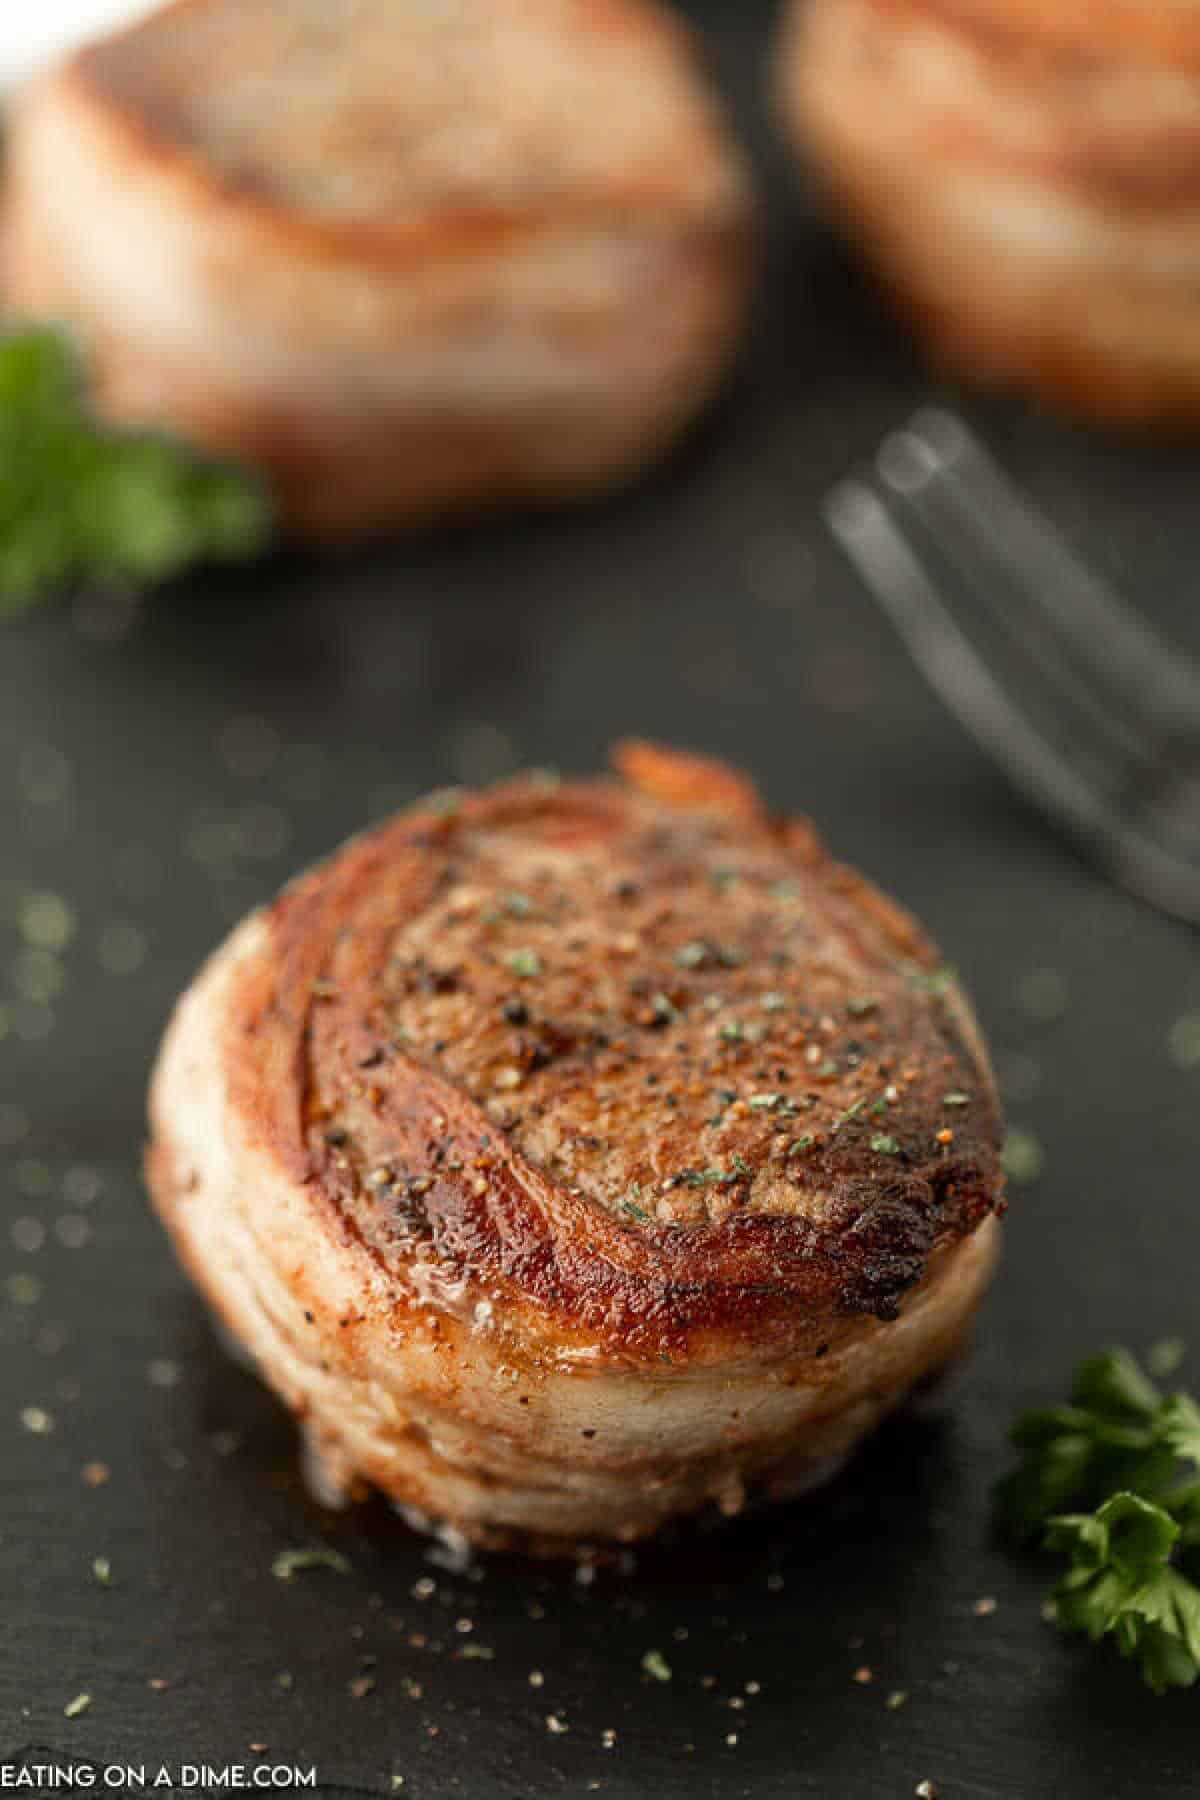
{"x": 1085, "y": 611}
{"x": 918, "y": 482}
{"x": 885, "y": 559}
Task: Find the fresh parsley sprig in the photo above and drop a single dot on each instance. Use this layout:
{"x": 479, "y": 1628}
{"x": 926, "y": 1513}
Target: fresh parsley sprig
{"x": 79, "y": 502}
{"x": 1125, "y": 1459}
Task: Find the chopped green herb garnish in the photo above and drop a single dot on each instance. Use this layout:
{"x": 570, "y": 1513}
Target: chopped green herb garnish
{"x": 764, "y": 1102}
{"x": 801, "y": 1143}
{"x": 956, "y": 1099}
{"x": 859, "y": 1008}
{"x": 1021, "y": 1156}
{"x": 884, "y": 1145}
{"x": 445, "y": 801}
{"x": 1132, "y": 1455}
{"x": 845, "y": 1117}
{"x": 733, "y": 1030}
{"x": 656, "y": 1664}
{"x": 930, "y": 981}
{"x": 79, "y": 502}
{"x": 631, "y": 1203}
{"x": 518, "y": 906}
{"x": 692, "y": 956}
{"x": 524, "y": 962}
{"x": 773, "y": 1002}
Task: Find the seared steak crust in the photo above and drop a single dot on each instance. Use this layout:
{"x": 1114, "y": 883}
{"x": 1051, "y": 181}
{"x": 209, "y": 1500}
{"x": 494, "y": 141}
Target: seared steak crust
{"x": 656, "y": 1069}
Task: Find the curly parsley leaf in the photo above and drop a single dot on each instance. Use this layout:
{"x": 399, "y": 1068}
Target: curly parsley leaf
{"x": 1121, "y": 1582}
{"x": 1131, "y": 1455}
{"x": 1113, "y": 1434}
{"x": 1180, "y": 1419}
{"x": 78, "y": 502}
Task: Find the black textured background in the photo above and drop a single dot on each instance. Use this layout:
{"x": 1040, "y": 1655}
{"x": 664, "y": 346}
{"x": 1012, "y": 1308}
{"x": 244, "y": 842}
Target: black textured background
{"x": 160, "y": 772}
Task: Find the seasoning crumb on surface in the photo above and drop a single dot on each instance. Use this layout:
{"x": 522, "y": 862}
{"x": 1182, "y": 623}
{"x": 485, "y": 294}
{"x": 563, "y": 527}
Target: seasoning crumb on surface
{"x": 120, "y": 947}
{"x": 985, "y": 1606}
{"x": 556, "y": 1725}
{"x": 102, "y": 1571}
{"x": 864, "y": 1674}
{"x": 536, "y": 1678}
{"x": 37, "y": 1420}
{"x": 28, "y": 1235}
{"x": 294, "y": 1562}
{"x": 78, "y": 1705}
{"x": 158, "y": 1684}
{"x": 927, "y": 1790}
{"x": 46, "y": 921}
{"x": 72, "y": 1231}
{"x": 731, "y": 1737}
{"x": 896, "y": 1699}
{"x": 257, "y": 1749}
{"x": 1042, "y": 994}
{"x": 608, "y": 1737}
{"x": 654, "y": 1663}
{"x": 1183, "y": 1041}
{"x": 360, "y": 1686}
{"x": 1165, "y": 1357}
{"x": 1022, "y": 1156}
{"x": 95, "y": 1474}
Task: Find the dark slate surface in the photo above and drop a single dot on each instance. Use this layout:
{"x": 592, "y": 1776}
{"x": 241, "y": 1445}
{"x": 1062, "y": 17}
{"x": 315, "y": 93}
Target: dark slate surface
{"x": 160, "y": 773}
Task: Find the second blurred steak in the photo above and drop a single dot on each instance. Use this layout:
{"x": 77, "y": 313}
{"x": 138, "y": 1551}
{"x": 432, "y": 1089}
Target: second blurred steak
{"x": 407, "y": 260}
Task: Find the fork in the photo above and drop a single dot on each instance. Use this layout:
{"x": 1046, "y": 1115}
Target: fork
{"x": 1090, "y": 713}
